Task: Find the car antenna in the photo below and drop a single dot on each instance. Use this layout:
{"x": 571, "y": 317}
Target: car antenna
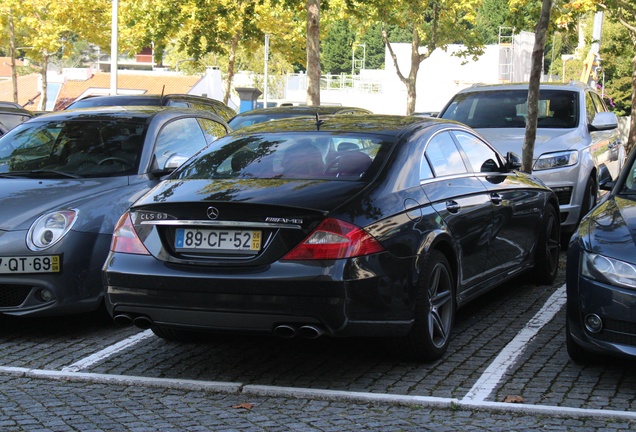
{"x": 319, "y": 122}
{"x": 162, "y": 90}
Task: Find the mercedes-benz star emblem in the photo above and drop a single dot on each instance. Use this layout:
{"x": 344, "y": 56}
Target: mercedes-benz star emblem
{"x": 213, "y": 212}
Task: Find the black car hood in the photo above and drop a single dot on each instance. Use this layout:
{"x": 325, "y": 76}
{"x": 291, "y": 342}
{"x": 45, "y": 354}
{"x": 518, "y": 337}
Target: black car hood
{"x": 311, "y": 194}
{"x": 23, "y": 200}
{"x": 612, "y": 229}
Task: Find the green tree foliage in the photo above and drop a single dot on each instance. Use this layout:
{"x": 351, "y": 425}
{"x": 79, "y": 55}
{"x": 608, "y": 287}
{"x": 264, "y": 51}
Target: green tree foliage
{"x": 336, "y": 49}
{"x": 617, "y": 53}
{"x": 434, "y": 25}
{"x": 491, "y": 15}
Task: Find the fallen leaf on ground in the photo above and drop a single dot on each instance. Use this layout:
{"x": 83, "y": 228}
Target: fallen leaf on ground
{"x": 513, "y": 399}
{"x": 246, "y": 405}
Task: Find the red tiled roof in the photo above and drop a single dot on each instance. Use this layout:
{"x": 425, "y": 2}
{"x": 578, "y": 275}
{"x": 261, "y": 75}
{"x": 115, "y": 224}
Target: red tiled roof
{"x": 153, "y": 83}
{"x": 27, "y": 91}
{"x": 150, "y": 83}
{"x": 5, "y": 66}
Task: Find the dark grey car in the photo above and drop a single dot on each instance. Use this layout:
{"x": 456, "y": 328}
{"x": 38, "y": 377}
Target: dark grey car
{"x": 66, "y": 178}
{"x": 172, "y": 100}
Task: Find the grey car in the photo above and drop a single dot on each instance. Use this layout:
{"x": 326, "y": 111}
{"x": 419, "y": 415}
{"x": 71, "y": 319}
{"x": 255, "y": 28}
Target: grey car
{"x": 65, "y": 180}
{"x": 576, "y": 137}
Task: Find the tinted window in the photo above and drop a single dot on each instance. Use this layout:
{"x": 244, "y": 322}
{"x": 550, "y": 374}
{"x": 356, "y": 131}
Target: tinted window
{"x": 12, "y": 120}
{"x": 183, "y": 137}
{"x": 590, "y": 109}
{"x": 86, "y": 148}
{"x": 240, "y": 121}
{"x": 600, "y": 106}
{"x": 509, "y": 109}
{"x": 176, "y": 103}
{"x": 481, "y": 157}
{"x": 289, "y": 156}
{"x": 211, "y": 129}
{"x": 444, "y": 156}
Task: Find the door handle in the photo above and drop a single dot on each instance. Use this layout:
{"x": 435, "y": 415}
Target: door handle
{"x": 496, "y": 199}
{"x": 452, "y": 206}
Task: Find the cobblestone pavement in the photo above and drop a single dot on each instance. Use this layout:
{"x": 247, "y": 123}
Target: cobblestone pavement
{"x": 39, "y": 405}
{"x": 543, "y": 376}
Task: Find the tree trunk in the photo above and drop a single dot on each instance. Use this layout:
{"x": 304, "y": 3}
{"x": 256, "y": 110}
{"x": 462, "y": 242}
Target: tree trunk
{"x": 631, "y": 140}
{"x": 14, "y": 71}
{"x": 45, "y": 65}
{"x": 411, "y": 81}
{"x": 230, "y": 67}
{"x": 533, "y": 90}
{"x": 313, "y": 52}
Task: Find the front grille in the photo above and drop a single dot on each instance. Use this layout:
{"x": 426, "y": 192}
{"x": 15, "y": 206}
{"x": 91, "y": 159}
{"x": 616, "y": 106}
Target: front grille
{"x": 13, "y": 295}
{"x": 564, "y": 194}
{"x": 620, "y": 332}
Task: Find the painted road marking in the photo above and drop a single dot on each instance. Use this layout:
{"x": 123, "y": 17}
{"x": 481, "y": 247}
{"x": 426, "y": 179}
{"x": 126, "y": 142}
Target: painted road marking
{"x": 493, "y": 374}
{"x": 306, "y": 393}
{"x": 107, "y": 352}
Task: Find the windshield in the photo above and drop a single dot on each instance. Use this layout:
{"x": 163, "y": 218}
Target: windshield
{"x": 85, "y": 148}
{"x": 240, "y": 121}
{"x": 509, "y": 109}
{"x": 289, "y": 156}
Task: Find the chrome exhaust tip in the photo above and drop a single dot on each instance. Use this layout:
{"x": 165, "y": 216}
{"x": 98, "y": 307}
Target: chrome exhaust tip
{"x": 142, "y": 322}
{"x": 310, "y": 331}
{"x": 123, "y": 320}
{"x": 285, "y": 331}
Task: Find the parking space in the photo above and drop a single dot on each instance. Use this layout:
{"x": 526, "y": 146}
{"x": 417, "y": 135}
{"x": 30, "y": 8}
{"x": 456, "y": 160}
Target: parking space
{"x": 542, "y": 374}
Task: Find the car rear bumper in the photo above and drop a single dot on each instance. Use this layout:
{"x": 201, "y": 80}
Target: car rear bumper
{"x": 358, "y": 297}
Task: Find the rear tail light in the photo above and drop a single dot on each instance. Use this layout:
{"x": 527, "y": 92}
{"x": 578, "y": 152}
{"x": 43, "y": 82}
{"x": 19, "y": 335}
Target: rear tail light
{"x": 125, "y": 238}
{"x": 335, "y": 239}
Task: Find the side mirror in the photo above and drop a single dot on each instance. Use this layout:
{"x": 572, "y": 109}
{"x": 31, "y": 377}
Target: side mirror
{"x": 174, "y": 162}
{"x": 513, "y": 161}
{"x": 171, "y": 164}
{"x": 605, "y": 179}
{"x": 604, "y": 121}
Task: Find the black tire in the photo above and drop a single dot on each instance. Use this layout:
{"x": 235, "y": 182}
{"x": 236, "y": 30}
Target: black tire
{"x": 547, "y": 257}
{"x": 429, "y": 337}
{"x": 177, "y": 335}
{"x": 589, "y": 199}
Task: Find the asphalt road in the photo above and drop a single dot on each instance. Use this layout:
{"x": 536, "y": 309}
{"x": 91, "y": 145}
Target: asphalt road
{"x": 82, "y": 373}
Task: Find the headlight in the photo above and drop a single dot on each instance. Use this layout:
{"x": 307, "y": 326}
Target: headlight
{"x": 608, "y": 270}
{"x": 556, "y": 160}
{"x": 49, "y": 228}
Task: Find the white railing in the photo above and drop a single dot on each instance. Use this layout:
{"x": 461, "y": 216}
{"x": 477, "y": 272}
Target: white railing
{"x": 347, "y": 83}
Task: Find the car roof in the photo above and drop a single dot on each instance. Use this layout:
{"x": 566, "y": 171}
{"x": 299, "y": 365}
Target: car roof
{"x": 394, "y": 125}
{"x": 127, "y": 113}
{"x": 571, "y": 86}
{"x": 309, "y": 109}
{"x": 15, "y": 110}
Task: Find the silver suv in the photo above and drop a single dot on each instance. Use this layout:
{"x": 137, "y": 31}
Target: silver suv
{"x": 577, "y": 138}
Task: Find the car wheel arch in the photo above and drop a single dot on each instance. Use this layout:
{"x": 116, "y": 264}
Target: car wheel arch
{"x": 443, "y": 243}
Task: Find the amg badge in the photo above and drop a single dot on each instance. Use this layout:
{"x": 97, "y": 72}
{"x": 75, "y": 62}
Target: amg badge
{"x": 284, "y": 220}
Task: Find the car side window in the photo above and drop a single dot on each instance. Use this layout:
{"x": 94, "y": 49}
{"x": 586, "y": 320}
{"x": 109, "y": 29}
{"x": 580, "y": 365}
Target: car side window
{"x": 481, "y": 157}
{"x": 590, "y": 108}
{"x": 211, "y": 129}
{"x": 600, "y": 106}
{"x": 182, "y": 136}
{"x": 443, "y": 155}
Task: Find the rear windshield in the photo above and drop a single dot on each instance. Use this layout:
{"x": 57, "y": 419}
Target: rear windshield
{"x": 509, "y": 109}
{"x": 289, "y": 156}
{"x": 240, "y": 121}
{"x": 86, "y": 148}
{"x": 106, "y": 102}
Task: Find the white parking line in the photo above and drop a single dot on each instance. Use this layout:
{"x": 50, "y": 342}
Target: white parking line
{"x": 493, "y": 374}
{"x": 313, "y": 394}
{"x": 107, "y": 352}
